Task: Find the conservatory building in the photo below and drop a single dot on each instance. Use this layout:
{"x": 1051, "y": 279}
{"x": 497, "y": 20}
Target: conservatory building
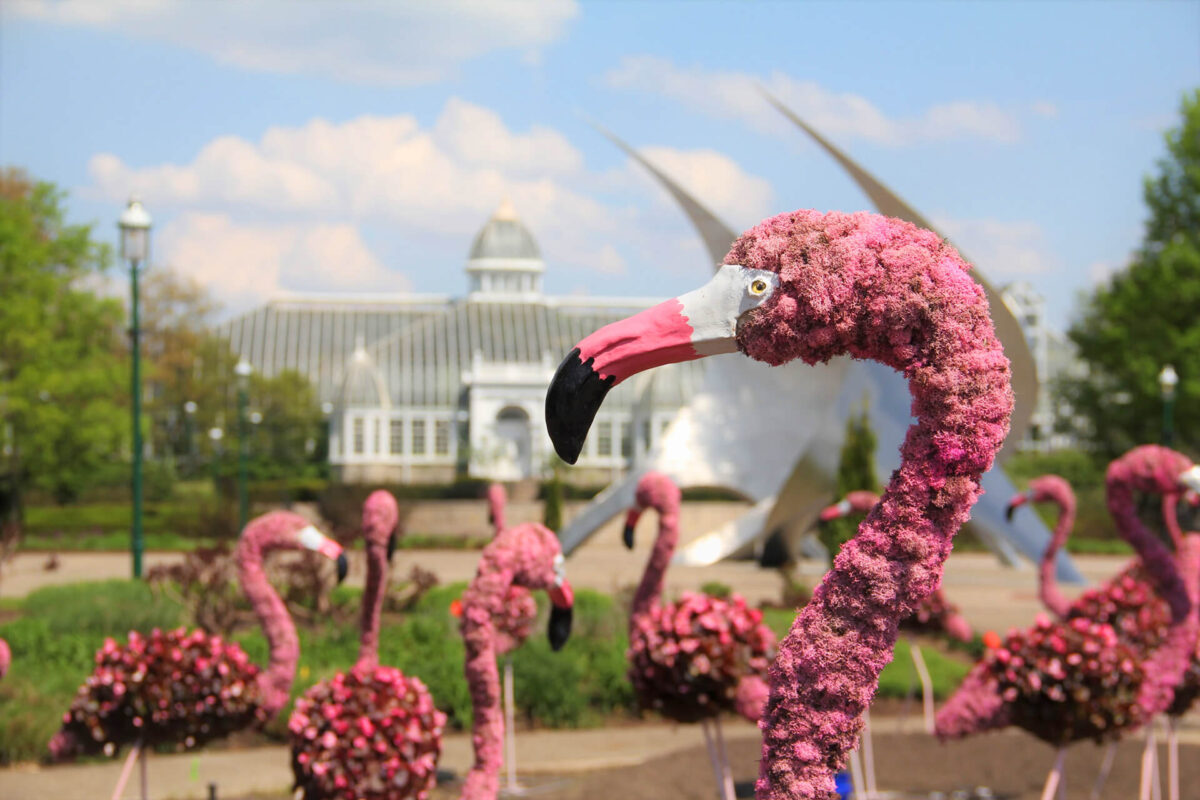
{"x": 425, "y": 389}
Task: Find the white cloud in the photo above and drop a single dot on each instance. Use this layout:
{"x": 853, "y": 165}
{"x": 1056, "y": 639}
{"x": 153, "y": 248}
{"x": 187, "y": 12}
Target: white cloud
{"x": 717, "y": 181}
{"x": 1100, "y": 271}
{"x": 365, "y": 41}
{"x": 1044, "y": 108}
{"x": 1002, "y": 249}
{"x": 243, "y": 265}
{"x": 735, "y": 95}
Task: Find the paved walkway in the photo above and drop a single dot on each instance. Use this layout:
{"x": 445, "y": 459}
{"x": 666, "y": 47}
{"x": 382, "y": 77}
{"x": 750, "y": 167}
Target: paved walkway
{"x": 266, "y": 769}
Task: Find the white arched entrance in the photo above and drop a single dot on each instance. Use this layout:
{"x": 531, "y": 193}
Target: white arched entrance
{"x": 514, "y": 461}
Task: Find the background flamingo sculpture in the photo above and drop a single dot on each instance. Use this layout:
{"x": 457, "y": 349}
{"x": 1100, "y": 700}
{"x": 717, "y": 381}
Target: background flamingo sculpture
{"x": 5, "y": 658}
{"x": 189, "y": 688}
{"x": 693, "y": 659}
{"x": 526, "y": 555}
{"x": 813, "y": 286}
{"x": 1072, "y": 680}
{"x": 513, "y": 624}
{"x": 371, "y": 733}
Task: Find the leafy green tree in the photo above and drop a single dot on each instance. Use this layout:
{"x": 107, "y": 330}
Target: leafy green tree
{"x": 856, "y": 470}
{"x": 286, "y": 443}
{"x": 63, "y": 355}
{"x": 1146, "y": 316}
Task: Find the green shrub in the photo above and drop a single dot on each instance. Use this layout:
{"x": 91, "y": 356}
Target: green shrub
{"x": 716, "y": 589}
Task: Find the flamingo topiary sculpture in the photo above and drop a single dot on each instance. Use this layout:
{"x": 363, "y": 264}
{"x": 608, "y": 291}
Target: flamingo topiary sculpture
{"x": 189, "y": 688}
{"x": 693, "y": 659}
{"x": 371, "y": 733}
{"x": 513, "y": 623}
{"x": 1074, "y": 680}
{"x": 814, "y": 286}
{"x": 5, "y": 658}
{"x": 525, "y": 555}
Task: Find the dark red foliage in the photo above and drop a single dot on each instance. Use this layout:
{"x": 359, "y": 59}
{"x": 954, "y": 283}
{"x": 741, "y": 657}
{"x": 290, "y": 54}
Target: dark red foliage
{"x": 687, "y": 658}
{"x": 1130, "y": 605}
{"x": 171, "y": 687}
{"x": 1068, "y": 681}
{"x": 367, "y": 734}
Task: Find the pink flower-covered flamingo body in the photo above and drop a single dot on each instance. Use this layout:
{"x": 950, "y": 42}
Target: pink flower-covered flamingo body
{"x": 692, "y": 659}
{"x": 1077, "y": 679}
{"x": 188, "y": 688}
{"x": 371, "y": 733}
{"x": 526, "y": 555}
{"x": 814, "y": 286}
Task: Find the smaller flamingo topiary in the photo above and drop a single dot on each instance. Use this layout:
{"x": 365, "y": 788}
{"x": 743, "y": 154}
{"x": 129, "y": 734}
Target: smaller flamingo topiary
{"x": 687, "y": 659}
{"x": 391, "y": 752}
{"x": 171, "y": 686}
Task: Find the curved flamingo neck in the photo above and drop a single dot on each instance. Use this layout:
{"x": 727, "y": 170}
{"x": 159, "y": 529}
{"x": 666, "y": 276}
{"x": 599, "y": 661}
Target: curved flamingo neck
{"x": 650, "y": 589}
{"x": 1057, "y": 492}
{"x": 483, "y": 682}
{"x": 372, "y": 603}
{"x": 1170, "y": 514}
{"x": 497, "y": 500}
{"x": 861, "y": 501}
{"x": 262, "y": 535}
{"x": 904, "y": 299}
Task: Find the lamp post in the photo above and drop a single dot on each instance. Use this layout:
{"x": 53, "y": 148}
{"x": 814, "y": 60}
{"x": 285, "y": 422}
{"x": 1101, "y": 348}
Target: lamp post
{"x": 135, "y": 247}
{"x": 216, "y": 435}
{"x": 1167, "y": 380}
{"x": 243, "y": 370}
{"x": 189, "y": 427}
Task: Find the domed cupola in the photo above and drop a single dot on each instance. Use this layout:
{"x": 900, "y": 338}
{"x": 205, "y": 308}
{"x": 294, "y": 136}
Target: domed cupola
{"x": 362, "y": 385}
{"x": 505, "y": 262}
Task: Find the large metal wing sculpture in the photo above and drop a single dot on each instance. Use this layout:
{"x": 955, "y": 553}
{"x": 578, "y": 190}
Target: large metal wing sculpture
{"x": 784, "y": 455}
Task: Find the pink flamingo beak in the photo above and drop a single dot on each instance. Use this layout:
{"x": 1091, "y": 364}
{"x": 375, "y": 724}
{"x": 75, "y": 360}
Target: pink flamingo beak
{"x": 312, "y": 539}
{"x": 1017, "y": 501}
{"x": 694, "y": 325}
{"x": 836, "y": 511}
{"x": 631, "y": 521}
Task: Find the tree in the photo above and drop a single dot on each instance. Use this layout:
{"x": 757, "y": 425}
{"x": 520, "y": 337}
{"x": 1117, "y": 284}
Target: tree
{"x": 856, "y": 470}
{"x": 62, "y": 351}
{"x": 1146, "y": 316}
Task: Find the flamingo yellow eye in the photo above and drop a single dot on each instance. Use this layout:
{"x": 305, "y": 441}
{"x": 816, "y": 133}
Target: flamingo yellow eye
{"x": 758, "y": 286}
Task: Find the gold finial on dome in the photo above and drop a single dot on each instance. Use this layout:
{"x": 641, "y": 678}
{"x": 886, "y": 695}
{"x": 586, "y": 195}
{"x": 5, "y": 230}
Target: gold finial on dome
{"x": 507, "y": 212}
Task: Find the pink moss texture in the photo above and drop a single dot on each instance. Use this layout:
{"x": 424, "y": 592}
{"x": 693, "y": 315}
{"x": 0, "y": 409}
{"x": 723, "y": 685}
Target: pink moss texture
{"x": 525, "y": 555}
{"x": 696, "y": 658}
{"x": 170, "y": 687}
{"x": 187, "y": 688}
{"x": 934, "y": 614}
{"x": 372, "y": 733}
{"x": 514, "y": 621}
{"x": 368, "y": 734}
{"x": 872, "y": 287}
{"x": 975, "y": 707}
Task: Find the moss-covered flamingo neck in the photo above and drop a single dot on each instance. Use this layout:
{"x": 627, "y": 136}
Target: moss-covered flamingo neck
{"x": 700, "y": 323}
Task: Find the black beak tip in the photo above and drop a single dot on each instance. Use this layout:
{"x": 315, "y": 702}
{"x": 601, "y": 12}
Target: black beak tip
{"x": 1008, "y": 512}
{"x": 560, "y": 627}
{"x": 391, "y": 547}
{"x": 343, "y": 567}
{"x": 574, "y": 397}
{"x": 627, "y": 537}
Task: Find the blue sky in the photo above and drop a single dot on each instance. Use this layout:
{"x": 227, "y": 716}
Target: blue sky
{"x": 358, "y": 146}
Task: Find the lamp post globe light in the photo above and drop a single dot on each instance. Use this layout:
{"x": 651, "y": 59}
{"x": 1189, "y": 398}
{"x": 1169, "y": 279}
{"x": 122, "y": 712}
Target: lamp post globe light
{"x": 189, "y": 423}
{"x": 215, "y": 435}
{"x": 243, "y": 371}
{"x": 134, "y": 224}
{"x": 1167, "y": 381}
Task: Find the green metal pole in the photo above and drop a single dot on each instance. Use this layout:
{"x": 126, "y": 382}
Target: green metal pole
{"x": 243, "y": 457}
{"x": 135, "y": 336}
